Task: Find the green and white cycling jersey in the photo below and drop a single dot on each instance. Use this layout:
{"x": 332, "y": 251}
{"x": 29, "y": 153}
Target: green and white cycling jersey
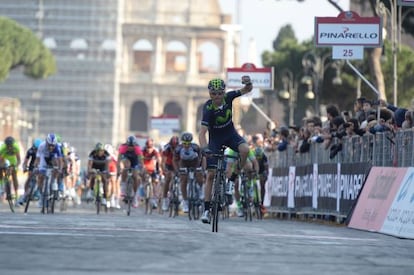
{"x": 232, "y": 155}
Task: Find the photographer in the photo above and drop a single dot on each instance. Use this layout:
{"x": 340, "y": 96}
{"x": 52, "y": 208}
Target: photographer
{"x": 337, "y": 131}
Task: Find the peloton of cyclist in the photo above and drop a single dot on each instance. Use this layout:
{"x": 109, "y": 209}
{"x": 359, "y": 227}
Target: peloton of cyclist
{"x": 188, "y": 155}
{"x": 10, "y": 151}
{"x": 168, "y": 168}
{"x": 130, "y": 156}
{"x": 28, "y": 166}
{"x": 217, "y": 121}
{"x": 98, "y": 160}
{"x": 48, "y": 155}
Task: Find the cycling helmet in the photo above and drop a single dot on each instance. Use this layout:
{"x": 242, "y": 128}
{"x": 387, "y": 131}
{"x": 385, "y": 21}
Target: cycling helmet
{"x": 37, "y": 142}
{"x": 131, "y": 141}
{"x": 216, "y": 84}
{"x": 174, "y": 140}
{"x": 187, "y": 137}
{"x": 51, "y": 139}
{"x": 9, "y": 141}
{"x": 99, "y": 147}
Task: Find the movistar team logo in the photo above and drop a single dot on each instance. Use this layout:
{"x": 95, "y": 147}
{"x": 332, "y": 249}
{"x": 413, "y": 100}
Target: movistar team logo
{"x": 225, "y": 118}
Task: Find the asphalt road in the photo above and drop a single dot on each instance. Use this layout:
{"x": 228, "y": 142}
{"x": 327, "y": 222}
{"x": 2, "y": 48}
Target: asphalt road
{"x": 80, "y": 242}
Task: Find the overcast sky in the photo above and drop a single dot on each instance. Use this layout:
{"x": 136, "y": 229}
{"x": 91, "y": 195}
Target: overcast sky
{"x": 262, "y": 19}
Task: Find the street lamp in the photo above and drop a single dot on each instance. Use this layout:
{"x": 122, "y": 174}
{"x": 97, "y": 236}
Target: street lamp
{"x": 392, "y": 12}
{"x": 289, "y": 92}
{"x": 314, "y": 70}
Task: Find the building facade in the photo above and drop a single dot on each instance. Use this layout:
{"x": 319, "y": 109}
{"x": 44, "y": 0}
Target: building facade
{"x": 119, "y": 63}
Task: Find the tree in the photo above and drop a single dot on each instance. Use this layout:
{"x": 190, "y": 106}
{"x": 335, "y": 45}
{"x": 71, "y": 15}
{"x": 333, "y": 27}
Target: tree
{"x": 285, "y": 33}
{"x": 20, "y": 47}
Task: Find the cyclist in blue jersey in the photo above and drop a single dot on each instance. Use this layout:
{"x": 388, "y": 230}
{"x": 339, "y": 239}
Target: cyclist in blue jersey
{"x": 217, "y": 121}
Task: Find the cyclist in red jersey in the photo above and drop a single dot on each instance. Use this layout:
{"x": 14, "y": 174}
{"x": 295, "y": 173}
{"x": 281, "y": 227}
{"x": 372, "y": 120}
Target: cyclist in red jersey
{"x": 152, "y": 164}
{"x": 168, "y": 168}
{"x": 130, "y": 156}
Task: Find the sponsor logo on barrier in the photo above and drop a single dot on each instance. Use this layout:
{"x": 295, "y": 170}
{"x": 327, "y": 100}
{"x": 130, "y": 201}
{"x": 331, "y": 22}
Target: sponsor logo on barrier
{"x": 400, "y": 218}
{"x": 376, "y": 198}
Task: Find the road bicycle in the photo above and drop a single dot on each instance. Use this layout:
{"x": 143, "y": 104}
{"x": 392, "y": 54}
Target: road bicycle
{"x": 7, "y": 171}
{"x": 193, "y": 192}
{"x": 49, "y": 191}
{"x": 149, "y": 193}
{"x": 218, "y": 192}
{"x": 99, "y": 190}
{"x": 129, "y": 190}
{"x": 250, "y": 196}
{"x": 174, "y": 198}
{"x": 32, "y": 190}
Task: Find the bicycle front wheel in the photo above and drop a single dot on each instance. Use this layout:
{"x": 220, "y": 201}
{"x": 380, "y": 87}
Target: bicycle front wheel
{"x": 7, "y": 186}
{"x": 30, "y": 195}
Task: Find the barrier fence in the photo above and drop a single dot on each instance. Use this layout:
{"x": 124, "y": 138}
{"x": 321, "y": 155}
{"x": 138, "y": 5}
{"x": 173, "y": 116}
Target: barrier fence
{"x": 321, "y": 183}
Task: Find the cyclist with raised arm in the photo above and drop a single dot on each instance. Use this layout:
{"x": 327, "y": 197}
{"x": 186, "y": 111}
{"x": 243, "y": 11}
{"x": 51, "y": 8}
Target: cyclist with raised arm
{"x": 130, "y": 156}
{"x": 49, "y": 154}
{"x": 188, "y": 155}
{"x": 10, "y": 151}
{"x": 28, "y": 166}
{"x": 98, "y": 160}
{"x": 167, "y": 165}
{"x": 217, "y": 121}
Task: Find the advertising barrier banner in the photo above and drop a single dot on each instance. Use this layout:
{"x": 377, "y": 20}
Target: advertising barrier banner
{"x": 400, "y": 218}
{"x": 376, "y": 198}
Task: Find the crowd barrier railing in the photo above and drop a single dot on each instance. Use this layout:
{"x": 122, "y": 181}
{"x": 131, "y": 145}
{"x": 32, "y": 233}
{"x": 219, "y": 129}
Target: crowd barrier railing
{"x": 319, "y": 182}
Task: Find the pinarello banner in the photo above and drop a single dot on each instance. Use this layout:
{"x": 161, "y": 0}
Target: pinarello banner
{"x": 376, "y": 198}
{"x": 348, "y": 28}
{"x": 329, "y": 188}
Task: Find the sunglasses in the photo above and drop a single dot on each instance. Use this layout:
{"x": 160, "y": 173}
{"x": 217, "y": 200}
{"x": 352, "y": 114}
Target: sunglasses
{"x": 186, "y": 142}
{"x": 217, "y": 93}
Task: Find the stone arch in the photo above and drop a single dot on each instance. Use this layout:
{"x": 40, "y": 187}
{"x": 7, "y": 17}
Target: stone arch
{"x": 173, "y": 108}
{"x": 142, "y": 55}
{"x": 208, "y": 57}
{"x": 138, "y": 121}
{"x": 176, "y": 56}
